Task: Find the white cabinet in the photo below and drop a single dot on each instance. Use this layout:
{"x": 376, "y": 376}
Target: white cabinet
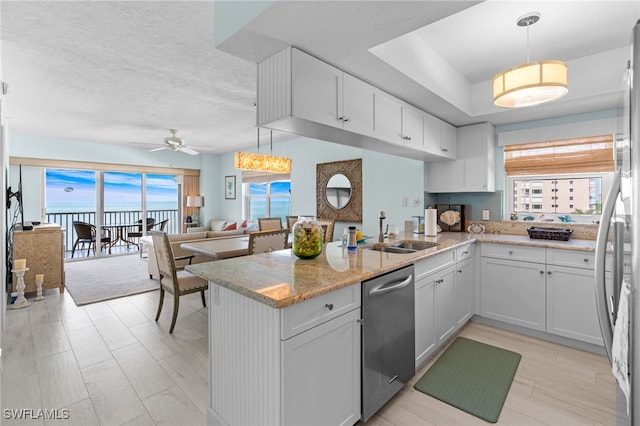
{"x": 303, "y": 95}
{"x": 321, "y": 377}
{"x": 295, "y": 365}
{"x": 357, "y": 106}
{"x": 440, "y": 137}
{"x": 434, "y": 303}
{"x": 571, "y": 302}
{"x": 412, "y": 127}
{"x": 324, "y": 94}
{"x": 513, "y": 285}
{"x": 464, "y": 291}
{"x": 388, "y": 117}
{"x": 474, "y": 168}
{"x": 445, "y": 295}
{"x": 316, "y": 90}
{"x": 425, "y": 319}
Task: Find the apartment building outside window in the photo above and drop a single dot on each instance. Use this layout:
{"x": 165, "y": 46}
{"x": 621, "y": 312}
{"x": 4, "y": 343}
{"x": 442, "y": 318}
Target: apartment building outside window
{"x": 554, "y": 179}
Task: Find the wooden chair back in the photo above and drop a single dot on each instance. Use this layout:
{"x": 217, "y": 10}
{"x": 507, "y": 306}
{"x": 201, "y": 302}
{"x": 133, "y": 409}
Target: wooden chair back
{"x": 328, "y": 225}
{"x": 269, "y": 223}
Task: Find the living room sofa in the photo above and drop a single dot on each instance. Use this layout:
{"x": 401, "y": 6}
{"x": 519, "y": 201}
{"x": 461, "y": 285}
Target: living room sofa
{"x": 176, "y": 240}
{"x": 225, "y": 228}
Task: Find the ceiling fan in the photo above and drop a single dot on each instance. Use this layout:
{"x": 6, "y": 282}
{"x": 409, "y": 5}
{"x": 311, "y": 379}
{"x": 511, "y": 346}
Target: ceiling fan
{"x": 175, "y": 143}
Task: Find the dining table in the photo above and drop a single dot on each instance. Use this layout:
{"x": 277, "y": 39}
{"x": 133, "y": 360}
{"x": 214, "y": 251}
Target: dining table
{"x": 121, "y": 233}
{"x": 219, "y": 248}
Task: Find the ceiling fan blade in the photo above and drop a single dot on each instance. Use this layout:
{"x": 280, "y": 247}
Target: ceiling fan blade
{"x": 188, "y": 150}
{"x": 159, "y": 149}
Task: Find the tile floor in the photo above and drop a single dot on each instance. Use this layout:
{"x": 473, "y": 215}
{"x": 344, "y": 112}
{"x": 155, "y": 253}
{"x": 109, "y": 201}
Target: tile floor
{"x": 107, "y": 363}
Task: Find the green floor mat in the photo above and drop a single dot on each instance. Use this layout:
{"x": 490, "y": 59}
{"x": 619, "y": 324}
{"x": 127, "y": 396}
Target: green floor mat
{"x": 472, "y": 376}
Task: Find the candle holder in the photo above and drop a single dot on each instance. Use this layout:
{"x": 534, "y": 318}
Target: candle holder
{"x": 39, "y": 281}
{"x": 21, "y": 301}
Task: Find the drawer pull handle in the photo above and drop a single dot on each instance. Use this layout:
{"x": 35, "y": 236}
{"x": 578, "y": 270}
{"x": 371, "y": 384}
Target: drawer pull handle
{"x": 464, "y": 253}
{"x": 586, "y": 260}
{"x": 459, "y": 271}
{"x": 329, "y": 306}
{"x": 541, "y": 272}
{"x": 548, "y": 272}
{"x": 510, "y": 252}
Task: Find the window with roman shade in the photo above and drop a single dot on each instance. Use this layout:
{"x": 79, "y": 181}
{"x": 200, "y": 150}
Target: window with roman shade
{"x": 577, "y": 155}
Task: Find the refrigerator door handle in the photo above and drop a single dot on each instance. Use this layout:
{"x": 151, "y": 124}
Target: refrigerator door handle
{"x": 606, "y": 328}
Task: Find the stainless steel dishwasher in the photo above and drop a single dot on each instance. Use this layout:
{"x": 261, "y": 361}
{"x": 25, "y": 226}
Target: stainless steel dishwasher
{"x": 388, "y": 337}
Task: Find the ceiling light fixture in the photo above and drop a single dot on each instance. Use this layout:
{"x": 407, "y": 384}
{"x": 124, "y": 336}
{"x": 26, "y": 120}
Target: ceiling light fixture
{"x": 532, "y": 83}
{"x": 261, "y": 162}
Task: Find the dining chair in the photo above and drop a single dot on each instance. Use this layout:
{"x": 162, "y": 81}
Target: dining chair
{"x": 86, "y": 234}
{"x": 267, "y": 241}
{"x": 328, "y": 225}
{"x": 290, "y": 221}
{"x": 269, "y": 223}
{"x": 172, "y": 280}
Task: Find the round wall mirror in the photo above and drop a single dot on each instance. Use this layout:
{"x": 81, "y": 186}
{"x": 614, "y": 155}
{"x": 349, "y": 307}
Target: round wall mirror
{"x": 338, "y": 191}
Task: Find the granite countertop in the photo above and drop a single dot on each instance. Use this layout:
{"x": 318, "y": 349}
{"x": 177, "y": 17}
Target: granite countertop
{"x": 279, "y": 279}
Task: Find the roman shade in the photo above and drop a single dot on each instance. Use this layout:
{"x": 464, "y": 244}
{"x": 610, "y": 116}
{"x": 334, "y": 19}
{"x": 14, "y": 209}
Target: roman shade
{"x": 263, "y": 177}
{"x": 576, "y": 155}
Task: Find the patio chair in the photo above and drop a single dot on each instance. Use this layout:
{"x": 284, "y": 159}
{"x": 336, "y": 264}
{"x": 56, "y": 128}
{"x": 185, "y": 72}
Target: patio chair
{"x": 269, "y": 223}
{"x": 267, "y": 241}
{"x": 86, "y": 234}
{"x": 162, "y": 225}
{"x": 136, "y": 232}
{"x": 174, "y": 281}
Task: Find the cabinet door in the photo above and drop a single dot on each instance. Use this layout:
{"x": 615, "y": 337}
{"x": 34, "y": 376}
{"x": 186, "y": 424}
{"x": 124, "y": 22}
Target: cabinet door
{"x": 445, "y": 176}
{"x": 571, "y": 304}
{"x": 357, "y": 106}
{"x": 425, "y": 308}
{"x": 321, "y": 373}
{"x": 388, "y": 118}
{"x": 464, "y": 292}
{"x": 445, "y": 306}
{"x": 317, "y": 90}
{"x": 412, "y": 127}
{"x": 479, "y": 172}
{"x": 513, "y": 292}
{"x": 431, "y": 137}
{"x": 448, "y": 140}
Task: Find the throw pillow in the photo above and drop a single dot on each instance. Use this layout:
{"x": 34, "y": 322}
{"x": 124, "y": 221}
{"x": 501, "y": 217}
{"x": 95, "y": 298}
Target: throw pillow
{"x": 218, "y": 225}
{"x": 230, "y": 227}
{"x": 244, "y": 224}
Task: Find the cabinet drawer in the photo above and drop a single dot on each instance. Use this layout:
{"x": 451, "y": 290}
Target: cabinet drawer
{"x": 513, "y": 252}
{"x": 304, "y": 315}
{"x": 572, "y": 258}
{"x": 464, "y": 252}
{"x": 434, "y": 263}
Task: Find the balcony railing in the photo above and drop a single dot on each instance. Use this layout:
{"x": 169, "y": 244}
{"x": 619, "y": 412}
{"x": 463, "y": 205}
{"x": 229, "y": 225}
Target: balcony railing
{"x": 129, "y": 217}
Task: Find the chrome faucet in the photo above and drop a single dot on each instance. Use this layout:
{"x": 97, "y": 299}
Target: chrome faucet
{"x": 381, "y": 236}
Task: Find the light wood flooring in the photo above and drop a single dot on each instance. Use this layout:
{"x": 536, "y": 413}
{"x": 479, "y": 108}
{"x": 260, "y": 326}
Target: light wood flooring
{"x": 109, "y": 363}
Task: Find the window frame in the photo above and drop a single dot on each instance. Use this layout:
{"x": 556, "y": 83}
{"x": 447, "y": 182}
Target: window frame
{"x": 605, "y": 177}
{"x": 246, "y": 196}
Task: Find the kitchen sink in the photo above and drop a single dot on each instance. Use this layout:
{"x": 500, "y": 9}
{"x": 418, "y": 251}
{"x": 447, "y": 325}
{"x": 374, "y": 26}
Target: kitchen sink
{"x": 391, "y": 249}
{"x": 414, "y": 245}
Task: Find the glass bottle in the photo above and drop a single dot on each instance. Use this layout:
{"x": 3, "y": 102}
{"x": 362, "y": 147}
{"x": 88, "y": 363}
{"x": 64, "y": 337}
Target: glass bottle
{"x": 352, "y": 241}
{"x": 307, "y": 237}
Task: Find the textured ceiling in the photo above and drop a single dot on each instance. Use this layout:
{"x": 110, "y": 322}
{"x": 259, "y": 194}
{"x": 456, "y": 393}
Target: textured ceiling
{"x": 125, "y": 72}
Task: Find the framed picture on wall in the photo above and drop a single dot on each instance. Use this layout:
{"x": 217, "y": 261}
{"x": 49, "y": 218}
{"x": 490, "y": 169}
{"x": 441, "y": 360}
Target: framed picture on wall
{"x": 229, "y": 187}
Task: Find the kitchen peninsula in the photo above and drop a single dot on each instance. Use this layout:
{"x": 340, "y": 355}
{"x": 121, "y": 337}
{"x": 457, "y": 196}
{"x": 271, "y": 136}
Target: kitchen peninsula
{"x": 285, "y": 332}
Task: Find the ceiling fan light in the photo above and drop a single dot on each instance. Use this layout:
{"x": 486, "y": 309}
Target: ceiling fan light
{"x": 530, "y": 84}
{"x": 261, "y": 162}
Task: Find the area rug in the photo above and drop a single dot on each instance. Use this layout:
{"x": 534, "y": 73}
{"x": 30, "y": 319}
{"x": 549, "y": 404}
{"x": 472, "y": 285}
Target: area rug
{"x": 472, "y": 376}
{"x": 95, "y": 280}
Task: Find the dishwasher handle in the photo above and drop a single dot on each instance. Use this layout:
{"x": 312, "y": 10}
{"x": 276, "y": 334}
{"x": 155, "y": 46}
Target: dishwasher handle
{"x": 391, "y": 286}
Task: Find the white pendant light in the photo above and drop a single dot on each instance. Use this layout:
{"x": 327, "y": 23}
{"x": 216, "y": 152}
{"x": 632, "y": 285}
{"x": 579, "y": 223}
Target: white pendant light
{"x": 532, "y": 83}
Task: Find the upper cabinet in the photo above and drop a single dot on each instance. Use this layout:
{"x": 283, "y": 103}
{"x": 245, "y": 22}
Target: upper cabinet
{"x": 440, "y": 137}
{"x": 300, "y": 94}
{"x": 474, "y": 168}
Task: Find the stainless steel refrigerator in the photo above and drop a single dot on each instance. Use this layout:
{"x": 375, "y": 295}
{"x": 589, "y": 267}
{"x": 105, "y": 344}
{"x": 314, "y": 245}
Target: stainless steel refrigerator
{"x": 617, "y": 266}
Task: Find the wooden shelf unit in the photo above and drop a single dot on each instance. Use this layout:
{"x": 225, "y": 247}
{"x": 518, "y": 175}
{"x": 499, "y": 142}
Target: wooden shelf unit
{"x": 43, "y": 248}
